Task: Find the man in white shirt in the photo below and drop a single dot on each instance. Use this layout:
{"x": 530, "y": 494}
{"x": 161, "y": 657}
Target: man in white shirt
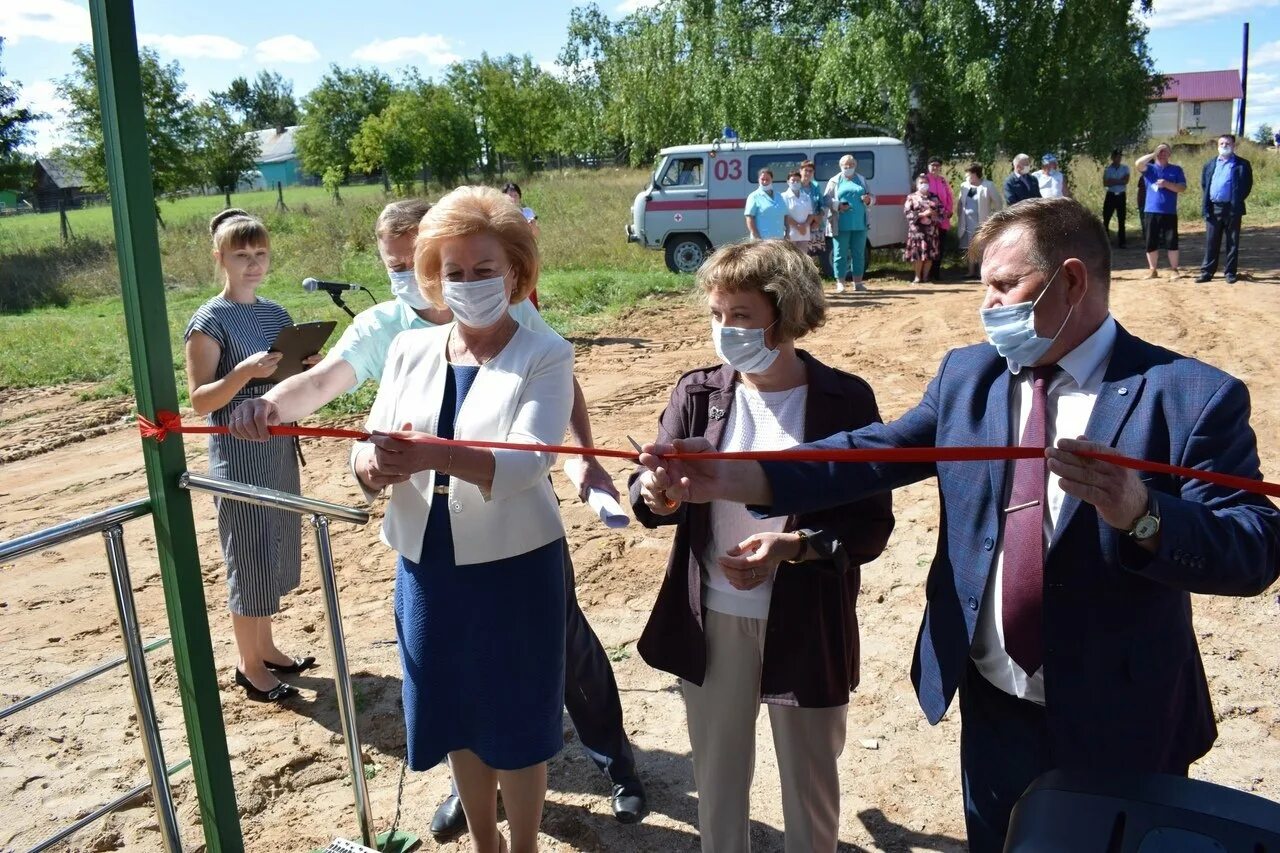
{"x": 1053, "y": 184}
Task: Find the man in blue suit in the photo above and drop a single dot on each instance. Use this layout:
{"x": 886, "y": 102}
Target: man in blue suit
{"x": 1226, "y": 182}
{"x": 1058, "y": 602}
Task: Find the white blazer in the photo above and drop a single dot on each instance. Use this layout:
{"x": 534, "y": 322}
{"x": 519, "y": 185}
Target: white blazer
{"x": 989, "y": 201}
{"x": 523, "y": 394}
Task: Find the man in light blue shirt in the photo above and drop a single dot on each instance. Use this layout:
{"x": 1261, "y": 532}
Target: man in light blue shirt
{"x": 1115, "y": 178}
{"x": 1226, "y": 182}
{"x": 766, "y": 210}
{"x": 591, "y": 693}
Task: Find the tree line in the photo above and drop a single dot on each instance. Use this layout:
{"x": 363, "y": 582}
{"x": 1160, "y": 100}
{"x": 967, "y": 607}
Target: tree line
{"x": 976, "y": 79}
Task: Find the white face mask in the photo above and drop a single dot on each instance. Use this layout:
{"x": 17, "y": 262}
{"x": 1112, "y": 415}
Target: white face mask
{"x": 794, "y": 186}
{"x": 404, "y": 286}
{"x": 766, "y": 184}
{"x": 743, "y": 349}
{"x": 1225, "y": 150}
{"x": 848, "y": 172}
{"x": 478, "y": 304}
{"x": 922, "y": 188}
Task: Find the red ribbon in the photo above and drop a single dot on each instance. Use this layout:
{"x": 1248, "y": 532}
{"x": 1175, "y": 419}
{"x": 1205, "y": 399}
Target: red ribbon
{"x": 167, "y": 423}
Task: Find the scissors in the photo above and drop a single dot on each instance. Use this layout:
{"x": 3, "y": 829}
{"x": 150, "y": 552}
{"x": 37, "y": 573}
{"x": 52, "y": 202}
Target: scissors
{"x": 670, "y": 503}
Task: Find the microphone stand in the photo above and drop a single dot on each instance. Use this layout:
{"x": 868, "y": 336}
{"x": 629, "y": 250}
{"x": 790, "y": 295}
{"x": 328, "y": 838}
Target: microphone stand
{"x": 337, "y": 300}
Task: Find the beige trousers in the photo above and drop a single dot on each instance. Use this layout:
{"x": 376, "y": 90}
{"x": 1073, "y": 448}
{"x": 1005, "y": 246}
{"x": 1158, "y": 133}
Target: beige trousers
{"x": 722, "y": 731}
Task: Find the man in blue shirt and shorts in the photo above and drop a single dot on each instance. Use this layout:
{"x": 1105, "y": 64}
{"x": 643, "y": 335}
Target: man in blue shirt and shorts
{"x": 1164, "y": 182}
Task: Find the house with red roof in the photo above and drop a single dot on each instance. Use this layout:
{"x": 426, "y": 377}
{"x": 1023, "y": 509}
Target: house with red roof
{"x": 1196, "y": 102}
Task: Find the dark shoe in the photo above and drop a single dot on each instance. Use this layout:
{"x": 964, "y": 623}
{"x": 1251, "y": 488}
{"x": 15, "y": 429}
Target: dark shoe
{"x": 1203, "y": 277}
{"x": 1231, "y": 279}
{"x": 450, "y": 820}
{"x": 298, "y": 665}
{"x": 280, "y": 693}
{"x": 628, "y": 802}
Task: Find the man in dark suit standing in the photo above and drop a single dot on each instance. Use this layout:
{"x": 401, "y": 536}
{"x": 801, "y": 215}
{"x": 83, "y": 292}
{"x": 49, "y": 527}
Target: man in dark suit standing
{"x": 1058, "y": 601}
{"x": 1226, "y": 181}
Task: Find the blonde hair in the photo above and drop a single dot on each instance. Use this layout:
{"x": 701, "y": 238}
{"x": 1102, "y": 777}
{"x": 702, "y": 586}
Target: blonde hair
{"x": 776, "y": 268}
{"x": 467, "y": 212}
{"x": 400, "y": 218}
{"x": 233, "y": 229}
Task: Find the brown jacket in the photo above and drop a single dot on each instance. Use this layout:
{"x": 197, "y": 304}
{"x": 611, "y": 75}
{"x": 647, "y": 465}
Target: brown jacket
{"x": 811, "y": 645}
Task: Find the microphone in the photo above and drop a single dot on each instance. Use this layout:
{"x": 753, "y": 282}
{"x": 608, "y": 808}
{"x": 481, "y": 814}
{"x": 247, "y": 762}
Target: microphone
{"x": 311, "y": 285}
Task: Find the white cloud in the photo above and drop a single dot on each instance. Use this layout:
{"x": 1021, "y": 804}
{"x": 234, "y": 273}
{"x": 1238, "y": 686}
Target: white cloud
{"x": 193, "y": 47}
{"x": 626, "y": 7}
{"x": 1171, "y": 13}
{"x": 42, "y": 96}
{"x": 435, "y": 49}
{"x": 58, "y": 21}
{"x": 1265, "y": 54}
{"x": 286, "y": 48}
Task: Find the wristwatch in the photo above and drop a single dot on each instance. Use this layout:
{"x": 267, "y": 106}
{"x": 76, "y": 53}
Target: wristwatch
{"x": 1148, "y": 524}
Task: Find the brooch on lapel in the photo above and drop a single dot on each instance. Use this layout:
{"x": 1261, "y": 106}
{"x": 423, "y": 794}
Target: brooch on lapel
{"x": 715, "y": 413}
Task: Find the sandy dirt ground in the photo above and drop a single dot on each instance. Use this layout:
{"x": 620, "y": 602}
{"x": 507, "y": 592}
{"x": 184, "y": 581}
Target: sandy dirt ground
{"x": 899, "y": 776}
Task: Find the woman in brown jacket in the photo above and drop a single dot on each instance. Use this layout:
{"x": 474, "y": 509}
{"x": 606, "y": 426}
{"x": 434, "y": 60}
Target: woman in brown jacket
{"x": 762, "y": 610}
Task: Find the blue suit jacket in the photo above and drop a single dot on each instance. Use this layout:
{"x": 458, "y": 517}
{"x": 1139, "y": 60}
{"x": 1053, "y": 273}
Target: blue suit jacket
{"x": 1241, "y": 186}
{"x": 1124, "y": 685}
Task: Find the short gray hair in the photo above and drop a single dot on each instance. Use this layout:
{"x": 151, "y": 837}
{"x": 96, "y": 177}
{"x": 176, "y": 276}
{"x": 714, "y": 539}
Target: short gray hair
{"x": 1022, "y": 158}
{"x": 1052, "y": 230}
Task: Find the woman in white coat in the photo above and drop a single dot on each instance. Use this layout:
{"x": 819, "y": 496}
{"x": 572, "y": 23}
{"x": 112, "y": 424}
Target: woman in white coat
{"x": 976, "y": 200}
{"x": 480, "y": 592}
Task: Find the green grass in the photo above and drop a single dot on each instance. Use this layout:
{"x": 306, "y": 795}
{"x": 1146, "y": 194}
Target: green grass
{"x": 590, "y": 273}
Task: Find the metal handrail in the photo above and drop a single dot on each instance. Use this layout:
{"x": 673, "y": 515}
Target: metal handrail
{"x": 110, "y": 523}
{"x": 270, "y": 497}
{"x": 319, "y": 512}
{"x": 50, "y": 692}
{"x": 103, "y": 810}
{"x": 67, "y": 531}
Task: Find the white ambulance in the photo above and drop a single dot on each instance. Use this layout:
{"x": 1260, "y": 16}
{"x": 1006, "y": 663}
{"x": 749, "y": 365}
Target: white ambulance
{"x": 695, "y": 199}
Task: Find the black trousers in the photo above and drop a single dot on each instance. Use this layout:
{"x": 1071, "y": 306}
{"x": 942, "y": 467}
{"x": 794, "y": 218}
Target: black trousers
{"x": 1004, "y": 747}
{"x": 1222, "y": 221}
{"x": 1113, "y": 203}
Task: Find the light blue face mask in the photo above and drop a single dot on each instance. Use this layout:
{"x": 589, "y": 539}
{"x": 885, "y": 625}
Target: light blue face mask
{"x": 743, "y": 349}
{"x": 404, "y": 286}
{"x": 1011, "y": 329}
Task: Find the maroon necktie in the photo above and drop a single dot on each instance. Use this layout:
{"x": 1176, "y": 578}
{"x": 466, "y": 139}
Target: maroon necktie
{"x": 1023, "y": 587}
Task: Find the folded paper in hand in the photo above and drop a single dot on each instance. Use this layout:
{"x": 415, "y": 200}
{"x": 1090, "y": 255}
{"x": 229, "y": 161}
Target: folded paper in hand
{"x": 610, "y": 511}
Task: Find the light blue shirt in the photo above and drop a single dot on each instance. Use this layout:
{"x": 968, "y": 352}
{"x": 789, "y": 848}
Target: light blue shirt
{"x": 1223, "y": 182}
{"x": 1111, "y": 172}
{"x": 365, "y": 343}
{"x": 770, "y": 213}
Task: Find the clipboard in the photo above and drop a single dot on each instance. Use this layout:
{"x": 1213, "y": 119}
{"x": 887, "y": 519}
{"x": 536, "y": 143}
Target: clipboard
{"x": 296, "y": 343}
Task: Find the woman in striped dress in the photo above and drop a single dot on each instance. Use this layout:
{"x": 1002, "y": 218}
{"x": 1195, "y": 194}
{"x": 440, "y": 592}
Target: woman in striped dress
{"x": 228, "y": 362}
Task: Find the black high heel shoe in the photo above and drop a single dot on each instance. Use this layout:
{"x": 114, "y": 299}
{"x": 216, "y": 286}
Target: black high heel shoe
{"x": 298, "y": 665}
{"x": 280, "y": 693}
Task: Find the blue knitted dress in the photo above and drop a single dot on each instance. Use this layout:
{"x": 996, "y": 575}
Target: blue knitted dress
{"x": 481, "y": 645}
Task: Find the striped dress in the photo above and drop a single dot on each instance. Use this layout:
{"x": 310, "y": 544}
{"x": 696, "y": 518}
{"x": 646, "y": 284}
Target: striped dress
{"x": 262, "y": 546}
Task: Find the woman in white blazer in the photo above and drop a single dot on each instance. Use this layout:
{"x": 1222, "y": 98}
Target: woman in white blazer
{"x": 480, "y": 598}
{"x": 976, "y": 200}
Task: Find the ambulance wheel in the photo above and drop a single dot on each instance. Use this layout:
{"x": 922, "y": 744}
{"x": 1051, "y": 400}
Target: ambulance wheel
{"x": 686, "y": 252}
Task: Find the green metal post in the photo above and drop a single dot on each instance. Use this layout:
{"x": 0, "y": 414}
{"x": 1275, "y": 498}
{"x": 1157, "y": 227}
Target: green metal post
{"x": 133, "y": 210}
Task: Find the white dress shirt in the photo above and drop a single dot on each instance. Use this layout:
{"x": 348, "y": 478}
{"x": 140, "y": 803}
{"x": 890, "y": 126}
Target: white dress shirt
{"x": 1071, "y": 396}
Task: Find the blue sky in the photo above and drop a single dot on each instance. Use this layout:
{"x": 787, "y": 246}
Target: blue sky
{"x": 215, "y": 42}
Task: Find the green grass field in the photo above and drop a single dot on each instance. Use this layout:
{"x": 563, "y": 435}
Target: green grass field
{"x": 60, "y": 313}
{"x": 590, "y": 271}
